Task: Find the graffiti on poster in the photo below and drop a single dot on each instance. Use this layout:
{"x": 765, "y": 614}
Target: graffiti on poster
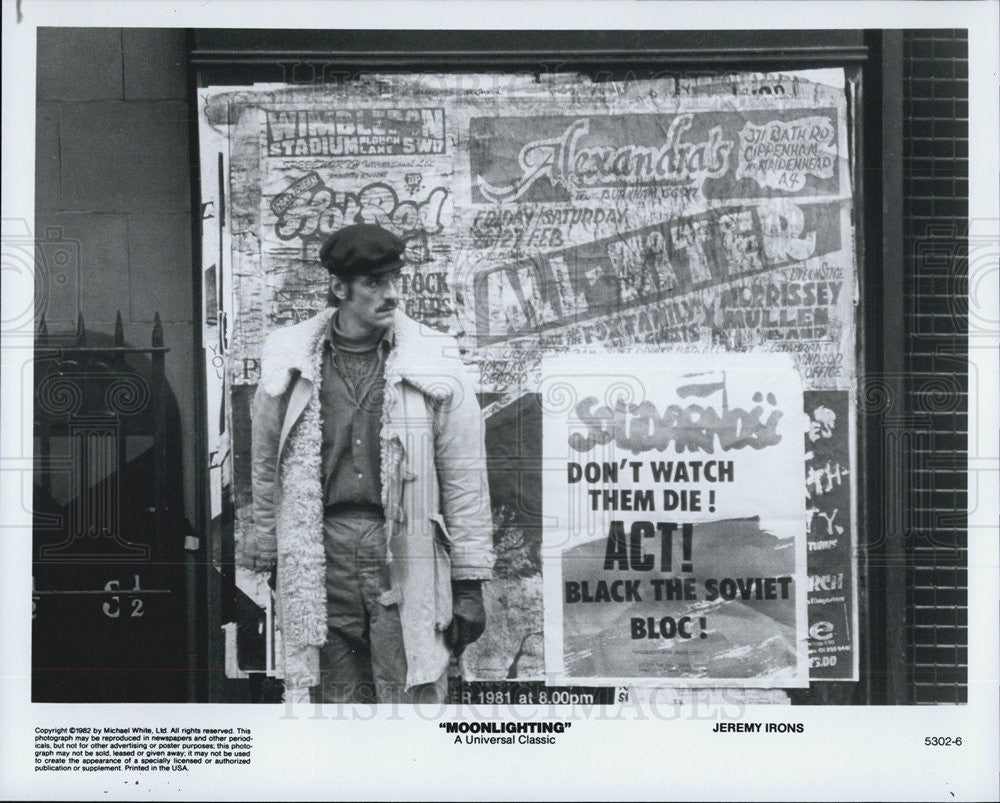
{"x": 667, "y": 260}
{"x": 307, "y": 211}
{"x": 674, "y": 544}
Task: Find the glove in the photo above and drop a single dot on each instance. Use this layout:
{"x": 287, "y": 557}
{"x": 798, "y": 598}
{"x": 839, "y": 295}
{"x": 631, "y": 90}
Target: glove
{"x": 468, "y": 619}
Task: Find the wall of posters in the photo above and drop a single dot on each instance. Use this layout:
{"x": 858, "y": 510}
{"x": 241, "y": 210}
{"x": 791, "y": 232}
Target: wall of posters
{"x": 558, "y": 215}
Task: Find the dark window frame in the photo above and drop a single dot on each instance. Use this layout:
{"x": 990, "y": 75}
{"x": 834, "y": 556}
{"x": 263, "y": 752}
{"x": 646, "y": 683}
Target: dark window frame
{"x": 872, "y": 58}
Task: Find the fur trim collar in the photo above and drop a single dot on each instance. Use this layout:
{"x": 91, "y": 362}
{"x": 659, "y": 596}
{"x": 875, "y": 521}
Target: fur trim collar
{"x": 422, "y": 356}
{"x": 290, "y": 350}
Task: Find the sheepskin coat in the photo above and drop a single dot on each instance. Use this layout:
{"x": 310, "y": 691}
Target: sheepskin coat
{"x": 434, "y": 490}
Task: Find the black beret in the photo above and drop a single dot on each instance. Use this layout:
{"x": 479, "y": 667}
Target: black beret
{"x": 360, "y": 250}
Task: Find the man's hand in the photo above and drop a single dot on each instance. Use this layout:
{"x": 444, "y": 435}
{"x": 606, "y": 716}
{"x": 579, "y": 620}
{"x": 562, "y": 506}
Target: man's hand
{"x": 468, "y": 619}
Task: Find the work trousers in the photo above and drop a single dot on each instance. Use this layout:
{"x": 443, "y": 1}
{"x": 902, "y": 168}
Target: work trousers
{"x": 363, "y": 660}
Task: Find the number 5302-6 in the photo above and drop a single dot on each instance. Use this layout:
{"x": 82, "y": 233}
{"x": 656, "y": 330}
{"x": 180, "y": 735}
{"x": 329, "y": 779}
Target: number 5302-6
{"x": 943, "y": 741}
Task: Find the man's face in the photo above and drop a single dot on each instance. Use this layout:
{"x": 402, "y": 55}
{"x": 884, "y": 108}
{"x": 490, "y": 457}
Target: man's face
{"x": 367, "y": 302}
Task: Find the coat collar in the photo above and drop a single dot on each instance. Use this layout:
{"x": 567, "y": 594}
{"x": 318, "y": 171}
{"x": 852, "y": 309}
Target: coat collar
{"x": 289, "y": 351}
{"x": 420, "y": 355}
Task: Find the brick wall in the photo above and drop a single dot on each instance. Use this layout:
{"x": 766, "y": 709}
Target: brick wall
{"x": 935, "y": 191}
{"x": 112, "y": 178}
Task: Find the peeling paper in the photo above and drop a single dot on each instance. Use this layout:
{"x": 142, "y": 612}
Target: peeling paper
{"x": 560, "y": 217}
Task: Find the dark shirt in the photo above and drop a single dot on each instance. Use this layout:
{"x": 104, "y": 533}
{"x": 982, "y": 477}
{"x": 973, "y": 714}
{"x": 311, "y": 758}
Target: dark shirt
{"x": 351, "y": 393}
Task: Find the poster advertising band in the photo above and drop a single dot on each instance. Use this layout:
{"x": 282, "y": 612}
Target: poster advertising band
{"x": 652, "y": 284}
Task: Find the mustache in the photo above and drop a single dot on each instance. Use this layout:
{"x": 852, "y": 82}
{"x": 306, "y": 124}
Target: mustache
{"x": 387, "y": 307}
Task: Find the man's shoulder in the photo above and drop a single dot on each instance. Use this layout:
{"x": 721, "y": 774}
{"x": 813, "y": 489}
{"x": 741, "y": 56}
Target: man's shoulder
{"x": 411, "y": 333}
{"x": 289, "y": 349}
{"x": 429, "y": 358}
{"x": 425, "y": 345}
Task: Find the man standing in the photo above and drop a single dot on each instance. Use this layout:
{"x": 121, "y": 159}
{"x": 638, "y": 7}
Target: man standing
{"x": 370, "y": 490}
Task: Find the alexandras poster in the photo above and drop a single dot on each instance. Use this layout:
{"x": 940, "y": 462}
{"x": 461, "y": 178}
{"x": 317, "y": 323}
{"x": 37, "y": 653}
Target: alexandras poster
{"x": 674, "y": 539}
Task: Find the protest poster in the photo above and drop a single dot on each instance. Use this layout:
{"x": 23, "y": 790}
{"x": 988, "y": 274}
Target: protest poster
{"x": 674, "y": 547}
{"x": 829, "y": 514}
{"x": 558, "y": 215}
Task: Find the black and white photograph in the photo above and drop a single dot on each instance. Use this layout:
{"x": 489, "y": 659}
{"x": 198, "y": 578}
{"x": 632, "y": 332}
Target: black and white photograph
{"x": 603, "y": 388}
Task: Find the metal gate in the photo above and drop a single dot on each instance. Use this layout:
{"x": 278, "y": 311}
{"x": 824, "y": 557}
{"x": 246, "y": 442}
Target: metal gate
{"x": 108, "y": 577}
